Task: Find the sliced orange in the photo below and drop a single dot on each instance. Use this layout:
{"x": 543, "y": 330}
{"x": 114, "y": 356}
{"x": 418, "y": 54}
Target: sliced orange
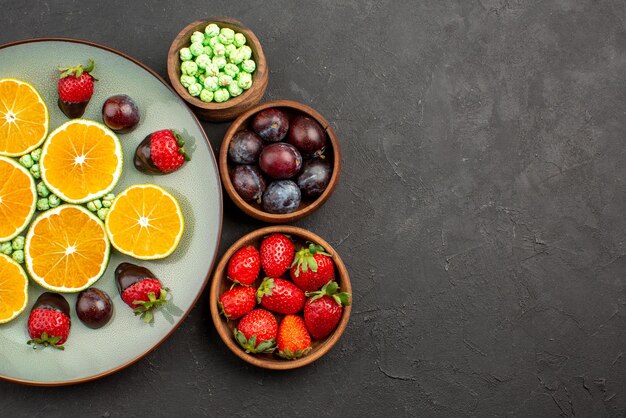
{"x": 23, "y": 118}
{"x": 13, "y": 289}
{"x": 66, "y": 249}
{"x": 145, "y": 222}
{"x": 81, "y": 161}
{"x": 18, "y": 198}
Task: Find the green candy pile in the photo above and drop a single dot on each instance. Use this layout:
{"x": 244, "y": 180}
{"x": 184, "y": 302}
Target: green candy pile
{"x": 14, "y": 248}
{"x": 217, "y": 65}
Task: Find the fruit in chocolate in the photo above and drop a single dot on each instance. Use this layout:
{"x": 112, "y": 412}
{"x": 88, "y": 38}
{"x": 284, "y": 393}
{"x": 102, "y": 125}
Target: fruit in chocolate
{"x": 307, "y": 135}
{"x": 120, "y": 113}
{"x": 140, "y": 289}
{"x": 75, "y": 88}
{"x": 280, "y": 161}
{"x": 160, "y": 152}
{"x": 49, "y": 321}
{"x": 271, "y": 124}
{"x": 94, "y": 308}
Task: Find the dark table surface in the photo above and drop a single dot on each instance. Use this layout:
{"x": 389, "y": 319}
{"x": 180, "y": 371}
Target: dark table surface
{"x": 480, "y": 210}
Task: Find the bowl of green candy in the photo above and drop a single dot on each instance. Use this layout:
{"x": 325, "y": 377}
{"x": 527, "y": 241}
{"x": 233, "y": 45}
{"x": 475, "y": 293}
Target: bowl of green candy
{"x": 218, "y": 67}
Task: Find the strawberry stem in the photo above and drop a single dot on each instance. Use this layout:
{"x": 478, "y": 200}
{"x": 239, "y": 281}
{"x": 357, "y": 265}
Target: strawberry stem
{"x": 145, "y": 307}
{"x": 331, "y": 289}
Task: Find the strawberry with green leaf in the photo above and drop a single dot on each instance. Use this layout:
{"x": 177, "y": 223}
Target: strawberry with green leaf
{"x": 323, "y": 309}
{"x": 312, "y": 268}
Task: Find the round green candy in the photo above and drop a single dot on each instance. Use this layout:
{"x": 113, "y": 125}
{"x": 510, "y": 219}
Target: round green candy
{"x": 196, "y": 48}
{"x": 248, "y": 66}
{"x": 244, "y": 80}
{"x": 224, "y": 80}
{"x": 185, "y": 54}
{"x": 203, "y": 60}
{"x": 246, "y": 51}
{"x": 234, "y": 89}
{"x": 212, "y": 69}
{"x": 211, "y": 84}
{"x": 231, "y": 70}
{"x": 54, "y": 201}
{"x": 91, "y": 206}
{"x": 240, "y": 40}
{"x": 228, "y": 49}
{"x": 97, "y": 203}
{"x": 43, "y": 204}
{"x": 214, "y": 41}
{"x": 195, "y": 89}
{"x": 207, "y": 50}
{"x": 236, "y": 57}
{"x": 36, "y": 155}
{"x": 212, "y": 30}
{"x": 227, "y": 36}
{"x": 219, "y": 49}
{"x": 221, "y": 95}
{"x": 6, "y": 248}
{"x": 18, "y": 243}
{"x": 187, "y": 80}
{"x": 201, "y": 78}
{"x": 189, "y": 68}
{"x": 18, "y": 256}
{"x": 27, "y": 161}
{"x": 42, "y": 190}
{"x": 220, "y": 61}
{"x": 197, "y": 37}
{"x": 110, "y": 197}
{"x": 102, "y": 213}
{"x": 206, "y": 95}
{"x": 34, "y": 171}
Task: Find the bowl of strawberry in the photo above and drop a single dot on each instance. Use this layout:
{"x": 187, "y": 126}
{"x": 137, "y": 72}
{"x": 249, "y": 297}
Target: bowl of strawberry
{"x": 280, "y": 297}
{"x": 280, "y": 161}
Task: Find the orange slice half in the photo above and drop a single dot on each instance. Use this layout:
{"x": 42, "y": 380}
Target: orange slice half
{"x": 13, "y": 289}
{"x": 18, "y": 198}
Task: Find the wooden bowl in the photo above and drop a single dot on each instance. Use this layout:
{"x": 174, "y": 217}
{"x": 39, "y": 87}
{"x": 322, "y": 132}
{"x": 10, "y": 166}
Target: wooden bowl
{"x": 220, "y": 284}
{"x": 233, "y": 107}
{"x": 307, "y": 206}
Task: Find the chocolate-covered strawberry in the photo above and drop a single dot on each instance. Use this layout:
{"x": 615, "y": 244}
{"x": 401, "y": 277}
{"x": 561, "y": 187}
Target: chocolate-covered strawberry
{"x": 237, "y": 302}
{"x": 323, "y": 309}
{"x": 312, "y": 268}
{"x": 140, "y": 289}
{"x": 256, "y": 332}
{"x": 75, "y": 88}
{"x": 280, "y": 296}
{"x": 160, "y": 152}
{"x": 49, "y": 321}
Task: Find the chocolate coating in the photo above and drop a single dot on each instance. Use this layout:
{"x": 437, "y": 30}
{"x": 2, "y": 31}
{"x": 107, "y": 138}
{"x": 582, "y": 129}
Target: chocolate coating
{"x": 73, "y": 110}
{"x": 127, "y": 274}
{"x": 143, "y": 160}
{"x": 53, "y": 301}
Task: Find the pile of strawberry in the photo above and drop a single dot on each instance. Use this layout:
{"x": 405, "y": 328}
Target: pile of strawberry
{"x": 292, "y": 311}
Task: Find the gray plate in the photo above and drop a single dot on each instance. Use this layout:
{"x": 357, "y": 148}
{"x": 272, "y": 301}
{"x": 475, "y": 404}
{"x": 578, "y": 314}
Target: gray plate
{"x": 90, "y": 354}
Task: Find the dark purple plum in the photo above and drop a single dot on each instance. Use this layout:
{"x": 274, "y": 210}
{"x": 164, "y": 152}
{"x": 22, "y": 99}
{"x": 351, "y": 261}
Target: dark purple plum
{"x": 314, "y": 177}
{"x": 94, "y": 308}
{"x": 245, "y": 147}
{"x": 282, "y": 196}
{"x": 307, "y": 135}
{"x": 248, "y": 182}
{"x": 271, "y": 124}
{"x": 280, "y": 161}
{"x": 120, "y": 113}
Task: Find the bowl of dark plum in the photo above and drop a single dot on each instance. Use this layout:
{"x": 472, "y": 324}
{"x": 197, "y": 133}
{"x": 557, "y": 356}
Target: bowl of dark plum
{"x": 280, "y": 161}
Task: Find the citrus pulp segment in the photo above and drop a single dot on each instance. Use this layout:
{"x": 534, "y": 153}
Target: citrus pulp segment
{"x": 66, "y": 249}
{"x": 81, "y": 161}
{"x": 13, "y": 289}
{"x": 18, "y": 198}
{"x": 145, "y": 222}
{"x": 23, "y": 118}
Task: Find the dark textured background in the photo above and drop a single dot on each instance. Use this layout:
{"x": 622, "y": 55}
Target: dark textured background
{"x": 480, "y": 212}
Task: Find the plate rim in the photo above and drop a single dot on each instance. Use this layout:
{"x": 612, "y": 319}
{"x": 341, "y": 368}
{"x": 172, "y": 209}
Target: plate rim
{"x": 221, "y": 215}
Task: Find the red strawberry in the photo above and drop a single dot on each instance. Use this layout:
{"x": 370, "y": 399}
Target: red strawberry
{"x": 140, "y": 289}
{"x": 312, "y": 268}
{"x": 293, "y": 339}
{"x": 244, "y": 266}
{"x": 276, "y": 254}
{"x": 161, "y": 152}
{"x": 280, "y": 296}
{"x": 75, "y": 89}
{"x": 323, "y": 310}
{"x": 238, "y": 301}
{"x": 256, "y": 332}
{"x": 49, "y": 321}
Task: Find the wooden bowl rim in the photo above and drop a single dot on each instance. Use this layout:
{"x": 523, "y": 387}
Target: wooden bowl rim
{"x": 253, "y": 42}
{"x": 300, "y": 213}
{"x": 220, "y": 323}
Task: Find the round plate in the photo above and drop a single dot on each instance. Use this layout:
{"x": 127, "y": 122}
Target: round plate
{"x": 90, "y": 354}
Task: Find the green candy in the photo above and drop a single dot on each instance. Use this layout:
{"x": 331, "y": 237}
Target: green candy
{"x": 244, "y": 80}
{"x": 195, "y": 89}
{"x": 18, "y": 243}
{"x": 211, "y": 84}
{"x": 229, "y": 49}
{"x": 206, "y": 95}
{"x": 236, "y": 56}
{"x": 18, "y": 256}
{"x": 221, "y": 95}
{"x": 54, "y": 201}
{"x": 102, "y": 213}
{"x": 212, "y": 69}
{"x": 43, "y": 204}
{"x": 185, "y": 54}
{"x": 219, "y": 49}
{"x": 214, "y": 41}
{"x": 110, "y": 197}
{"x": 234, "y": 89}
{"x": 34, "y": 171}
{"x": 42, "y": 190}
{"x": 92, "y": 206}
{"x": 6, "y": 248}
{"x": 246, "y": 51}
{"x": 27, "y": 161}
{"x": 224, "y": 80}
{"x": 189, "y": 68}
{"x": 207, "y": 50}
{"x": 240, "y": 40}
{"x": 203, "y": 60}
{"x": 212, "y": 30}
{"x": 248, "y": 66}
{"x": 196, "y": 48}
{"x": 36, "y": 155}
{"x": 201, "y": 78}
{"x": 220, "y": 61}
{"x": 187, "y": 80}
{"x": 231, "y": 70}
{"x": 197, "y": 37}
{"x": 227, "y": 36}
